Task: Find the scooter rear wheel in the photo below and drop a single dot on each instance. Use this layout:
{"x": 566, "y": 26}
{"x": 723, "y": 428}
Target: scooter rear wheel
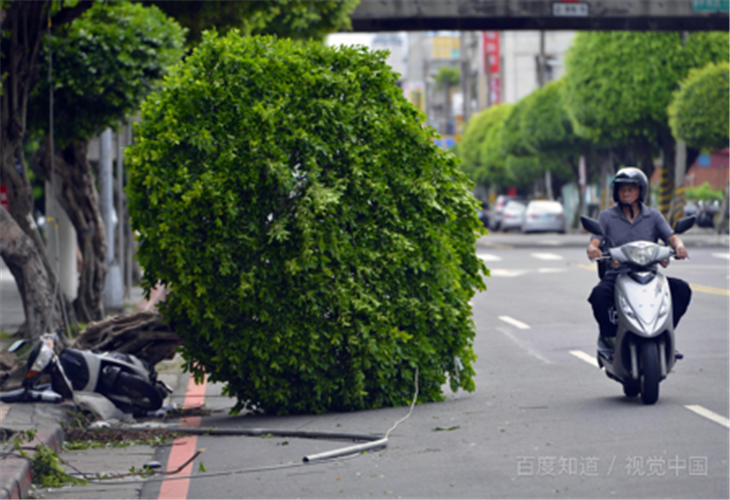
{"x": 650, "y": 373}
{"x": 143, "y": 396}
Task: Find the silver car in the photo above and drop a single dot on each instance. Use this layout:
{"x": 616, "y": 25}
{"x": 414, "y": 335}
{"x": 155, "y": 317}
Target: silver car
{"x": 544, "y": 216}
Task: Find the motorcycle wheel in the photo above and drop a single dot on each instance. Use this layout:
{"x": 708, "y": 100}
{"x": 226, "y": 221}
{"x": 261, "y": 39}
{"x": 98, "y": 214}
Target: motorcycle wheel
{"x": 650, "y": 374}
{"x": 143, "y": 396}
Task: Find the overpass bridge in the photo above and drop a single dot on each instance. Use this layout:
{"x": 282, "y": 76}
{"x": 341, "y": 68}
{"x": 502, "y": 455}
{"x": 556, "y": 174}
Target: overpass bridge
{"x": 501, "y": 15}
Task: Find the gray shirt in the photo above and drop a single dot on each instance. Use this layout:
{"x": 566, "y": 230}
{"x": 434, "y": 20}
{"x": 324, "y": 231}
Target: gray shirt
{"x": 649, "y": 225}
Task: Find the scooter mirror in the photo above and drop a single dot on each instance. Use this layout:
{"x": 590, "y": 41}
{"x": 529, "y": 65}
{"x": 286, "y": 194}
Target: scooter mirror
{"x": 685, "y": 224}
{"x": 16, "y": 345}
{"x": 591, "y": 225}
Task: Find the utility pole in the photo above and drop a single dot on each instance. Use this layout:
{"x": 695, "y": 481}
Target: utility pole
{"x": 542, "y": 80}
{"x": 465, "y": 78}
{"x": 680, "y": 169}
{"x": 112, "y": 283}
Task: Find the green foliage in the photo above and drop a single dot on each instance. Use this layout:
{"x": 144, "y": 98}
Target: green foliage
{"x": 295, "y": 19}
{"x": 698, "y": 114}
{"x": 704, "y": 192}
{"x": 447, "y": 76}
{"x": 45, "y": 464}
{"x": 318, "y": 247}
{"x": 521, "y": 162}
{"x": 104, "y": 64}
{"x": 481, "y": 151}
{"x": 618, "y": 84}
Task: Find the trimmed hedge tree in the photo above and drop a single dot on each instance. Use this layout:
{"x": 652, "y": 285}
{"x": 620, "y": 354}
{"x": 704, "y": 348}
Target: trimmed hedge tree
{"x": 318, "y": 247}
{"x": 699, "y": 112}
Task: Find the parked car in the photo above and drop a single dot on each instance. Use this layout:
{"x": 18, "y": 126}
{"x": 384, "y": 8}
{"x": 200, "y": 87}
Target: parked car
{"x": 495, "y": 215}
{"x": 513, "y": 215}
{"x": 544, "y": 216}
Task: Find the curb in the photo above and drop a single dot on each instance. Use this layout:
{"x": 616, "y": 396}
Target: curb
{"x": 17, "y": 475}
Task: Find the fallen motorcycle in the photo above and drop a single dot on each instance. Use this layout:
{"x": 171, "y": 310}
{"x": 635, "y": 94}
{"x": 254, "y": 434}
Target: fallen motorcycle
{"x": 127, "y": 381}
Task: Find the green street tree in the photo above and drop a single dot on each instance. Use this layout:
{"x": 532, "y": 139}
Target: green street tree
{"x": 698, "y": 113}
{"x": 480, "y": 151}
{"x": 104, "y": 64}
{"x": 24, "y": 24}
{"x": 619, "y": 84}
{"x": 317, "y": 246}
{"x": 549, "y": 134}
{"x": 523, "y": 165}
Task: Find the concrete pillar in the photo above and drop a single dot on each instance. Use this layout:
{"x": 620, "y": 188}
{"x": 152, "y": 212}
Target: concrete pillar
{"x": 61, "y": 246}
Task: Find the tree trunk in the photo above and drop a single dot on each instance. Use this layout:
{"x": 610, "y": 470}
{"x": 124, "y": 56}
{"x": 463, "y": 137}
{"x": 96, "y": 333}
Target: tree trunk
{"x": 77, "y": 194}
{"x": 20, "y": 253}
{"x": 24, "y": 23}
{"x": 666, "y": 183}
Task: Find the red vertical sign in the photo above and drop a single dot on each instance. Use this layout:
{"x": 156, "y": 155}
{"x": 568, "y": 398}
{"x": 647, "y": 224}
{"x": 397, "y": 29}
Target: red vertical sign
{"x": 4, "y": 197}
{"x": 492, "y": 64}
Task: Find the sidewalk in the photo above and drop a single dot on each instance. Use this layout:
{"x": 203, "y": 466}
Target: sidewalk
{"x": 47, "y": 419}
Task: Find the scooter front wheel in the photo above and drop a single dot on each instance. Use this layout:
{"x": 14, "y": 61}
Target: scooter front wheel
{"x": 650, "y": 373}
{"x": 142, "y": 396}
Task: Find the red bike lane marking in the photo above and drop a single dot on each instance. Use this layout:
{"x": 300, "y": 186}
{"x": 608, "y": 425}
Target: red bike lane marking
{"x": 183, "y": 448}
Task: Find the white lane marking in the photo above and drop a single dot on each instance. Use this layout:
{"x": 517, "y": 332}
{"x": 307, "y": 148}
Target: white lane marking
{"x": 506, "y": 273}
{"x": 704, "y": 412}
{"x": 721, "y": 255}
{"x": 585, "y": 357}
{"x": 547, "y": 256}
{"x": 514, "y": 322}
{"x": 6, "y": 275}
{"x": 545, "y": 270}
{"x": 488, "y": 257}
{"x": 524, "y": 345}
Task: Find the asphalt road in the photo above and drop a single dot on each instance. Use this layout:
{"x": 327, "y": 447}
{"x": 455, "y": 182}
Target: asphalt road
{"x": 543, "y": 422}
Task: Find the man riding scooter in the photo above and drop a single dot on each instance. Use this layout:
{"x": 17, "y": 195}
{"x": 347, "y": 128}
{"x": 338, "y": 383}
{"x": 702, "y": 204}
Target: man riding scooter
{"x": 627, "y": 221}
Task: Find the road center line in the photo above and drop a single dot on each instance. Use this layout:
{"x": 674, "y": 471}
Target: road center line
{"x": 585, "y": 357}
{"x": 704, "y": 412}
{"x": 514, "y": 322}
{"x": 708, "y": 289}
{"x": 547, "y": 256}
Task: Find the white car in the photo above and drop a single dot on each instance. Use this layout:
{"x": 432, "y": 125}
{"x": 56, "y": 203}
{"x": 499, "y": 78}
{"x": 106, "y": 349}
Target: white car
{"x": 513, "y": 215}
{"x": 544, "y": 216}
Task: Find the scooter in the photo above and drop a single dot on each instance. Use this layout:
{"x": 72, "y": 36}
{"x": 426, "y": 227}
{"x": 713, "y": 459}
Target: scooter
{"x": 127, "y": 381}
{"x": 642, "y": 354}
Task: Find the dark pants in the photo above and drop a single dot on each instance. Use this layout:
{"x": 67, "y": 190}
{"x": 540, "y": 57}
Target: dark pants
{"x": 602, "y": 300}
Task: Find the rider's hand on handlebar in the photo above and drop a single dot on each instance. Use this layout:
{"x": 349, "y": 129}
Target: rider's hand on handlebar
{"x": 594, "y": 252}
{"x": 680, "y": 252}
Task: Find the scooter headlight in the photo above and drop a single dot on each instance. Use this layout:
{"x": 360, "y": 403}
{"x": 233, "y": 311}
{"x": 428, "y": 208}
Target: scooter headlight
{"x": 641, "y": 254}
{"x": 41, "y": 362}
